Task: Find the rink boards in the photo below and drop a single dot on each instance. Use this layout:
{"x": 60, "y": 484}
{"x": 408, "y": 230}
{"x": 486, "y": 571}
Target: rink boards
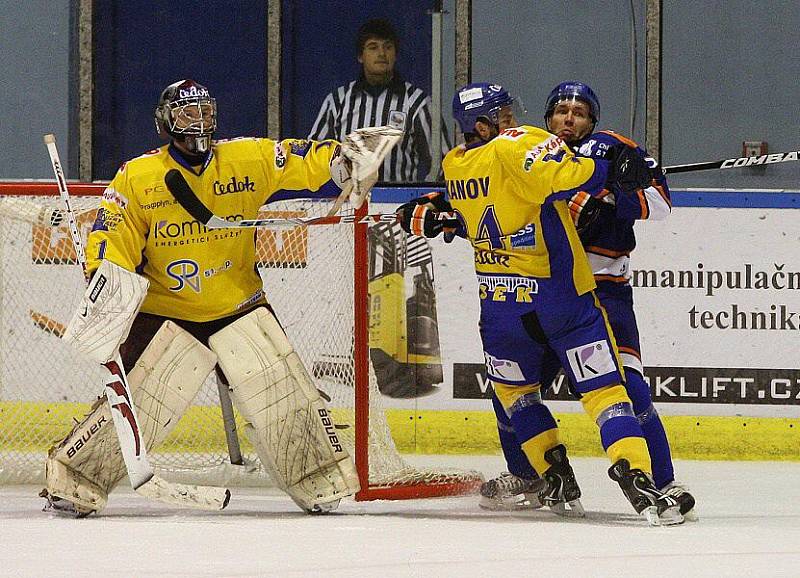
{"x": 717, "y": 294}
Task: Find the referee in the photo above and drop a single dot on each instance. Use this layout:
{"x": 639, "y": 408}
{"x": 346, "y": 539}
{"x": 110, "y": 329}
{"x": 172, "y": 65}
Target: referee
{"x": 371, "y": 100}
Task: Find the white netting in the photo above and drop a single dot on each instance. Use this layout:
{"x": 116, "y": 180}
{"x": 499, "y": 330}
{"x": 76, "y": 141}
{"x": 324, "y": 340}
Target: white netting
{"x": 308, "y": 277}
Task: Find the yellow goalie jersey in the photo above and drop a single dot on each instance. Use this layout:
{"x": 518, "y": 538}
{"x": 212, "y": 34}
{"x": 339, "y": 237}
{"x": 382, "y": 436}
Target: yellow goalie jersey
{"x": 195, "y": 273}
{"x": 509, "y": 195}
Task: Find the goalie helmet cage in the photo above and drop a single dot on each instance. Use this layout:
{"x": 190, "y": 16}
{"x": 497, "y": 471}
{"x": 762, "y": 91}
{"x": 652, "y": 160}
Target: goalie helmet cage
{"x": 316, "y": 278}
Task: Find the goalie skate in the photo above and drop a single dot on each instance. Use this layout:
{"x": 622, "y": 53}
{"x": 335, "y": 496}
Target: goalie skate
{"x": 62, "y": 507}
{"x": 510, "y": 492}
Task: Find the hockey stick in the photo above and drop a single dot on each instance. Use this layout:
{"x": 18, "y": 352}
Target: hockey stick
{"x": 184, "y": 194}
{"x": 142, "y": 477}
{"x": 736, "y": 163}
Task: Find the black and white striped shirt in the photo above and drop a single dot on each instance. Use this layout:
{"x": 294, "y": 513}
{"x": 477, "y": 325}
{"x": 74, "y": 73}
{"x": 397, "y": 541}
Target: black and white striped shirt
{"x": 359, "y": 104}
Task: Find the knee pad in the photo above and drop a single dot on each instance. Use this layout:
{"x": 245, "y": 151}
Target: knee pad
{"x": 287, "y": 421}
{"x": 88, "y": 463}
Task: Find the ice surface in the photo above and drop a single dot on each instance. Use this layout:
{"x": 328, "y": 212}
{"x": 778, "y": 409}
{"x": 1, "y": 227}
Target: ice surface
{"x": 749, "y": 526}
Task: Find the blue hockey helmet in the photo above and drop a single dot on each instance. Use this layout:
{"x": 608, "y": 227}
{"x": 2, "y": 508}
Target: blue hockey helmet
{"x": 572, "y": 90}
{"x": 479, "y": 100}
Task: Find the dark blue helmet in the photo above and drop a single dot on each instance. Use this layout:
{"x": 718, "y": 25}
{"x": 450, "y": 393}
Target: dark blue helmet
{"x": 572, "y": 90}
{"x": 476, "y": 100}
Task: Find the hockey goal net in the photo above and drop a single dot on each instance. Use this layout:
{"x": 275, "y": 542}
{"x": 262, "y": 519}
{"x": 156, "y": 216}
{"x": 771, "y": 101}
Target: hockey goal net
{"x": 316, "y": 279}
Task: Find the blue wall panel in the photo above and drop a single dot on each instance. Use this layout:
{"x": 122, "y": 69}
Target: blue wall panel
{"x": 141, "y": 47}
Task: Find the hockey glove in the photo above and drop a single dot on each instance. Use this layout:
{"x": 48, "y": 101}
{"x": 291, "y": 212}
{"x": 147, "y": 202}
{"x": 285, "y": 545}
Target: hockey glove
{"x": 627, "y": 169}
{"x": 365, "y": 150}
{"x": 583, "y": 208}
{"x": 428, "y": 216}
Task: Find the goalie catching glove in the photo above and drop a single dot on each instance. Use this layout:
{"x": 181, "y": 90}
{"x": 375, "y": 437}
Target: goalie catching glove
{"x": 428, "y": 216}
{"x": 355, "y": 171}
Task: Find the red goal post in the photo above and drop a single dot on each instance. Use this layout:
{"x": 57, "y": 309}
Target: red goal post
{"x": 37, "y": 300}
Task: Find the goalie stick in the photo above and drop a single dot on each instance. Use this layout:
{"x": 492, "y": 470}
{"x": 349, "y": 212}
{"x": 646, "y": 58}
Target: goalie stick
{"x": 187, "y": 198}
{"x": 142, "y": 477}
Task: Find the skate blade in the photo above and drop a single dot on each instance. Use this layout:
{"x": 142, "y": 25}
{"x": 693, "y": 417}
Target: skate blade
{"x": 494, "y": 505}
{"x": 573, "y": 509}
{"x": 669, "y": 517}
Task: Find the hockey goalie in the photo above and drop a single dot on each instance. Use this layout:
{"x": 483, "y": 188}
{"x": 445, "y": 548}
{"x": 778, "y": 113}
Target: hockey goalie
{"x": 177, "y": 299}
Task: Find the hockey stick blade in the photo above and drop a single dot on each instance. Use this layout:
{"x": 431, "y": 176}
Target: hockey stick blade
{"x": 187, "y": 495}
{"x": 184, "y": 194}
{"x": 187, "y": 198}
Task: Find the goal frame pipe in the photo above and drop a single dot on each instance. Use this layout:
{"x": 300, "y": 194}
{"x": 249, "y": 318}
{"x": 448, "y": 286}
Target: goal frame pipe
{"x": 449, "y": 485}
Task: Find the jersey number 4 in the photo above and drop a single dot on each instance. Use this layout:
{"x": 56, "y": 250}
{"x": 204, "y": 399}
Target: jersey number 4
{"x": 489, "y": 229}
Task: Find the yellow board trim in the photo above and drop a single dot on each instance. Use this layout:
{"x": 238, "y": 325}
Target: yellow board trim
{"x": 446, "y": 432}
{"x": 691, "y": 437}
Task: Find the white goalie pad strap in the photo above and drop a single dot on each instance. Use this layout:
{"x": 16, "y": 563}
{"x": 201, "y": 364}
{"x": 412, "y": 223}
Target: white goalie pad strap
{"x": 106, "y": 312}
{"x": 366, "y": 148}
{"x": 164, "y": 381}
{"x": 287, "y": 421}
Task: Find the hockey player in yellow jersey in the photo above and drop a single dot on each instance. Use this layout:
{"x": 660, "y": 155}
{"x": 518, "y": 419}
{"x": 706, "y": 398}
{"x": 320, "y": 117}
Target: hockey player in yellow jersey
{"x": 198, "y": 274}
{"x": 205, "y": 305}
{"x": 506, "y": 191}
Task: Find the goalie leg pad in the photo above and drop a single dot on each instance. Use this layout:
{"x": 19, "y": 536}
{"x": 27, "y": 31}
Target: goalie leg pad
{"x": 287, "y": 421}
{"x": 88, "y": 463}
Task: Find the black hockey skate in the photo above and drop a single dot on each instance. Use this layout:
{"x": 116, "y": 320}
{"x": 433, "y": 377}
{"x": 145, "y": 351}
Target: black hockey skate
{"x": 510, "y": 492}
{"x": 562, "y": 494}
{"x": 684, "y": 498}
{"x": 657, "y": 507}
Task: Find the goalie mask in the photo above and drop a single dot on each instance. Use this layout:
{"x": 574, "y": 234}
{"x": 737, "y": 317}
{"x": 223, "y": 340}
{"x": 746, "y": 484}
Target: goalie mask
{"x": 187, "y": 113}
